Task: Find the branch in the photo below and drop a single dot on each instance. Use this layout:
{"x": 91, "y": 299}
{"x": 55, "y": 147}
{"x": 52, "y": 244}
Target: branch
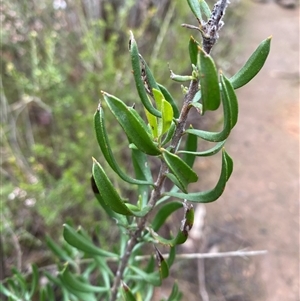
{"x": 239, "y": 253}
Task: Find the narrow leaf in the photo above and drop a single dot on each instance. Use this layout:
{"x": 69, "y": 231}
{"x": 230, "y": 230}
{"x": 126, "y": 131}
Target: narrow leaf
{"x": 169, "y": 134}
{"x": 108, "y": 191}
{"x": 172, "y": 256}
{"x": 176, "y": 182}
{"x": 210, "y": 91}
{"x": 134, "y": 127}
{"x": 222, "y": 135}
{"x": 193, "y": 50}
{"x": 214, "y": 194}
{"x": 182, "y": 234}
{"x": 151, "y": 82}
{"x": 163, "y": 213}
{"x": 167, "y": 116}
{"x": 126, "y": 293}
{"x": 152, "y": 278}
{"x": 168, "y": 97}
{"x": 229, "y": 93}
{"x": 143, "y": 172}
{"x": 152, "y": 120}
{"x": 190, "y": 148}
{"x": 253, "y": 65}
{"x": 182, "y": 171}
{"x": 78, "y": 241}
{"x": 205, "y": 8}
{"x": 210, "y": 152}
{"x": 78, "y": 285}
{"x": 175, "y": 295}
{"x": 35, "y": 280}
{"x": 135, "y": 62}
{"x": 162, "y": 264}
{"x": 57, "y": 250}
{"x": 195, "y": 8}
{"x": 103, "y": 141}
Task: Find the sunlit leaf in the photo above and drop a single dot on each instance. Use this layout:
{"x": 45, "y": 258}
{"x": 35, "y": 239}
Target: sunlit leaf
{"x": 253, "y": 64}
{"x": 132, "y": 124}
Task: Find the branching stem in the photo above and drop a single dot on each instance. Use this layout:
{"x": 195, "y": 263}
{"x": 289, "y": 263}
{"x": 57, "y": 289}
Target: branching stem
{"x": 209, "y": 33}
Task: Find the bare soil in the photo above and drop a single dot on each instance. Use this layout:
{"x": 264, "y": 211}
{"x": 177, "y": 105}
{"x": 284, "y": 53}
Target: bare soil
{"x": 260, "y": 207}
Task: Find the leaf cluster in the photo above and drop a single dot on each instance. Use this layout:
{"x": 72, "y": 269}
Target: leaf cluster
{"x": 155, "y": 135}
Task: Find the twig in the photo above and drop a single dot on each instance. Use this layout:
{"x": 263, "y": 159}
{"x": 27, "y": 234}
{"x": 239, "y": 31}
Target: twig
{"x": 239, "y": 253}
{"x": 209, "y": 38}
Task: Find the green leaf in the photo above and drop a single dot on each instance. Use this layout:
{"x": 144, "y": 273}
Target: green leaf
{"x": 228, "y": 119}
{"x": 210, "y": 152}
{"x": 175, "y": 295}
{"x": 152, "y": 120}
{"x": 167, "y": 116}
{"x": 35, "y": 280}
{"x": 8, "y": 293}
{"x": 182, "y": 171}
{"x": 77, "y": 284}
{"x": 182, "y": 234}
{"x": 57, "y": 250}
{"x": 190, "y": 149}
{"x": 169, "y": 134}
{"x": 151, "y": 82}
{"x": 205, "y": 8}
{"x": 136, "y": 67}
{"x": 20, "y": 280}
{"x": 195, "y": 8}
{"x": 143, "y": 172}
{"x": 46, "y": 293}
{"x": 163, "y": 123}
{"x": 80, "y": 295}
{"x": 229, "y": 93}
{"x": 168, "y": 97}
{"x": 121, "y": 219}
{"x": 152, "y": 278}
{"x": 193, "y": 50}
{"x": 81, "y": 243}
{"x": 175, "y": 181}
{"x": 210, "y": 91}
{"x": 163, "y": 213}
{"x": 215, "y": 193}
{"x": 134, "y": 127}
{"x": 126, "y": 293}
{"x": 181, "y": 78}
{"x": 108, "y": 191}
{"x": 103, "y": 142}
{"x": 172, "y": 256}
{"x": 253, "y": 65}
{"x": 111, "y": 196}
{"x": 162, "y": 264}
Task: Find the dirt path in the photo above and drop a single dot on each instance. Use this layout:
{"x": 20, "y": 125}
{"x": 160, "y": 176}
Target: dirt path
{"x": 262, "y": 197}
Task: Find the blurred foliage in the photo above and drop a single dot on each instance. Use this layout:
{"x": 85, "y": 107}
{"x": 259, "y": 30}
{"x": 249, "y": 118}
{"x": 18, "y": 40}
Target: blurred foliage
{"x": 56, "y": 57}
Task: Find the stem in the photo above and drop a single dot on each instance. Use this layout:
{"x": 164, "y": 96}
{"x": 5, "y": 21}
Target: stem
{"x": 156, "y": 192}
{"x": 210, "y": 35}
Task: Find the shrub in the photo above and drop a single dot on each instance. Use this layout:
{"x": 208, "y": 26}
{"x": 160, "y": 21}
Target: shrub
{"x": 166, "y": 139}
